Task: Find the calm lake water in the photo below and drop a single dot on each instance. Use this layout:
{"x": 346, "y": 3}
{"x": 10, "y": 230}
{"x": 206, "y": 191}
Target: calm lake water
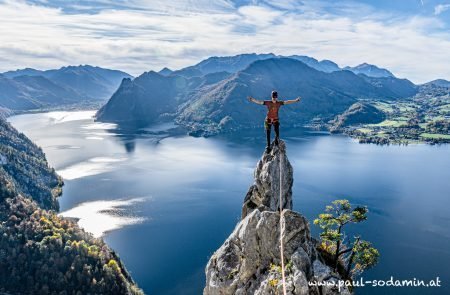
{"x": 165, "y": 202}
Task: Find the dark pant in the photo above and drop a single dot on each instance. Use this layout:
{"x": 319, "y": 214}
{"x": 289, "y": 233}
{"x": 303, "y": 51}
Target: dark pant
{"x": 276, "y": 126}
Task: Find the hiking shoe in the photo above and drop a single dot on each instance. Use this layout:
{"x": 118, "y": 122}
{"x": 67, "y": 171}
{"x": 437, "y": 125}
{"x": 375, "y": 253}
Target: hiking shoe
{"x": 268, "y": 149}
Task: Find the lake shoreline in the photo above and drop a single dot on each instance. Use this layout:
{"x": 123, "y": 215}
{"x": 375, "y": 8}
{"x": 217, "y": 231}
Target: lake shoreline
{"x": 354, "y": 131}
{"x": 193, "y": 187}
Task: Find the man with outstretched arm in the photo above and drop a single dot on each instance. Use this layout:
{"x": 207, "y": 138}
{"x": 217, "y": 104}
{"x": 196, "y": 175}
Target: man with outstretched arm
{"x": 272, "y": 115}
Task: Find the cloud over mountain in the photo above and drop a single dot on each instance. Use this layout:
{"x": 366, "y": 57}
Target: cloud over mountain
{"x": 412, "y": 42}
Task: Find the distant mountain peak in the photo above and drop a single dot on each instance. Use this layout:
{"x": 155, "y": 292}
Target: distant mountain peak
{"x": 326, "y": 66}
{"x": 21, "y": 72}
{"x": 242, "y": 55}
{"x": 236, "y": 63}
{"x": 370, "y": 70}
{"x": 439, "y": 83}
{"x": 165, "y": 71}
{"x": 328, "y": 61}
{"x": 231, "y": 64}
{"x": 282, "y": 61}
{"x": 151, "y": 73}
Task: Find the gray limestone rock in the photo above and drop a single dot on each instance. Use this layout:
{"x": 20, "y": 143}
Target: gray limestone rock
{"x": 264, "y": 194}
{"x": 249, "y": 260}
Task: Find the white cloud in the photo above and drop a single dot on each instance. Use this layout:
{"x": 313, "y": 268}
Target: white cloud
{"x": 438, "y": 9}
{"x": 177, "y": 33}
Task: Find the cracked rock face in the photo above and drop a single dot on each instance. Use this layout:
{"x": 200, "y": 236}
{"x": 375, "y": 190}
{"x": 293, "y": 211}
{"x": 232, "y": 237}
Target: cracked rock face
{"x": 248, "y": 262}
{"x": 264, "y": 193}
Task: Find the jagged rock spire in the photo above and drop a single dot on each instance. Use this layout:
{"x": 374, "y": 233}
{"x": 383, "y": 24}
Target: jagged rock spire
{"x": 264, "y": 193}
{"x": 248, "y": 262}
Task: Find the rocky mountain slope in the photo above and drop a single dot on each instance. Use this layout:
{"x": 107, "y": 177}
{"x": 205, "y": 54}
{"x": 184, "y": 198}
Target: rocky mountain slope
{"x": 248, "y": 262}
{"x": 40, "y": 252}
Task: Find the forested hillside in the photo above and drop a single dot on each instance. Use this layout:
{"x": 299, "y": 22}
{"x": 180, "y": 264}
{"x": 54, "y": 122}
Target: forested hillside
{"x": 25, "y": 166}
{"x": 40, "y": 252}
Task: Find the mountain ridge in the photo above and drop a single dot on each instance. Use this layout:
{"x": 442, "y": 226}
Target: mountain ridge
{"x": 239, "y": 62}
{"x": 207, "y": 105}
{"x": 369, "y": 70}
{"x": 30, "y": 89}
{"x": 438, "y": 82}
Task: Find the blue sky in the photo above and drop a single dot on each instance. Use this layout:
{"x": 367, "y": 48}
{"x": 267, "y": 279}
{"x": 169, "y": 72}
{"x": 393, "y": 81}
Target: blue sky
{"x": 409, "y": 37}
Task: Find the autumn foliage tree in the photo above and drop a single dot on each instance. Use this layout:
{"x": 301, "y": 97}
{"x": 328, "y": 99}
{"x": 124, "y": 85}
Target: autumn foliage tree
{"x": 354, "y": 256}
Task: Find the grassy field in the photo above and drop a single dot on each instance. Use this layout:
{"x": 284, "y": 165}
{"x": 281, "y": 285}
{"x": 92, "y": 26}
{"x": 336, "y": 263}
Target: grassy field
{"x": 431, "y": 135}
{"x": 383, "y": 106}
{"x": 415, "y": 114}
{"x": 388, "y": 123}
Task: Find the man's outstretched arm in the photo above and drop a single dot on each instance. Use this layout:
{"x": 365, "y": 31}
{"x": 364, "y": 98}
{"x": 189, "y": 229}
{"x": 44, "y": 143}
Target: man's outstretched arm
{"x": 292, "y": 100}
{"x": 255, "y": 100}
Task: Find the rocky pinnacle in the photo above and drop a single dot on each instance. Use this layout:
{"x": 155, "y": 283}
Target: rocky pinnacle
{"x": 264, "y": 193}
{"x": 248, "y": 262}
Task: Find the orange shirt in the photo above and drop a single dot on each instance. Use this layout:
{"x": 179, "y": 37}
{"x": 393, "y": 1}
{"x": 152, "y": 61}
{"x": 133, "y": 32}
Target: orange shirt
{"x": 272, "y": 109}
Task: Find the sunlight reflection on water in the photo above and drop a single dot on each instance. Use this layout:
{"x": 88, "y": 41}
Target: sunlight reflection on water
{"x": 90, "y": 167}
{"x": 100, "y": 217}
{"x": 61, "y": 117}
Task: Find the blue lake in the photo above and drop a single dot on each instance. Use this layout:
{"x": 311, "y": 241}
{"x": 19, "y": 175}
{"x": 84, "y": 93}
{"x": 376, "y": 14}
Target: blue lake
{"x": 166, "y": 201}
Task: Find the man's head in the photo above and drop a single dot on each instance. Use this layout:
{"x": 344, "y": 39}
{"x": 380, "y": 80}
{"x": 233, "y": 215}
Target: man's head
{"x": 274, "y": 95}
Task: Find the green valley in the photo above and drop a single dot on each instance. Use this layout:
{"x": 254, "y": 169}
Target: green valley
{"x": 422, "y": 118}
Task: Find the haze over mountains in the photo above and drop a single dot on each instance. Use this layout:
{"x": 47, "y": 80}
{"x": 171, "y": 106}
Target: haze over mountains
{"x": 239, "y": 62}
{"x": 210, "y": 97}
{"x": 233, "y": 64}
{"x": 370, "y": 70}
{"x": 29, "y": 89}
